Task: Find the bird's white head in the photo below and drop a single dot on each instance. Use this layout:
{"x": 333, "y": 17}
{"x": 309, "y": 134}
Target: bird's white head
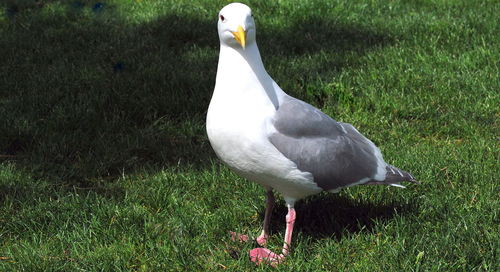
{"x": 236, "y": 26}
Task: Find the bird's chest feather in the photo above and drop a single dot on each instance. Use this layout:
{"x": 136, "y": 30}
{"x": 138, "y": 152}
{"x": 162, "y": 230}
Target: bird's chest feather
{"x": 235, "y": 131}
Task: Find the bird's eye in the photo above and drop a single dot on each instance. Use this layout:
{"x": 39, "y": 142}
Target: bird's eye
{"x": 222, "y": 18}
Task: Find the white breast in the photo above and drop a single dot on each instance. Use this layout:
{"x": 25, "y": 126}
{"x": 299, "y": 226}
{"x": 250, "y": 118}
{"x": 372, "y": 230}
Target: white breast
{"x": 238, "y": 133}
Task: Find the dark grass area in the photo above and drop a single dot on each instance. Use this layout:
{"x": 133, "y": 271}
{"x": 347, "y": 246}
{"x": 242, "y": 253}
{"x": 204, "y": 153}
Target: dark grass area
{"x": 100, "y": 96}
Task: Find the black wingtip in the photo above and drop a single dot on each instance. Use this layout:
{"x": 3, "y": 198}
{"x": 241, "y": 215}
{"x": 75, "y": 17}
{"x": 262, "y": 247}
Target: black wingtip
{"x": 396, "y": 175}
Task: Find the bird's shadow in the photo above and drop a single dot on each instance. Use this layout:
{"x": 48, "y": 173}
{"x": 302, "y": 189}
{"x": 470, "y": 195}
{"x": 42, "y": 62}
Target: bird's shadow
{"x": 334, "y": 216}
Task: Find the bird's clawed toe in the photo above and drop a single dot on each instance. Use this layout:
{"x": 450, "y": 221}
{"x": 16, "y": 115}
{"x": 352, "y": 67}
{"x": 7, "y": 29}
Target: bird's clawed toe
{"x": 263, "y": 255}
{"x": 237, "y": 237}
{"x": 262, "y": 240}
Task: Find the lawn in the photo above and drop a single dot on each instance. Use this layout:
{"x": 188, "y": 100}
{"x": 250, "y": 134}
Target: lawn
{"x": 105, "y": 164}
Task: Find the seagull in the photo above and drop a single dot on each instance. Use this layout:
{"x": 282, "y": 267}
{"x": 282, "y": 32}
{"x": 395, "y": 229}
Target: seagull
{"x": 278, "y": 141}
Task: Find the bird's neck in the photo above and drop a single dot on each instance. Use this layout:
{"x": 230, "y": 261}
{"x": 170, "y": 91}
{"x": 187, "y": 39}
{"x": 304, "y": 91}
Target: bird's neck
{"x": 243, "y": 67}
{"x": 242, "y": 62}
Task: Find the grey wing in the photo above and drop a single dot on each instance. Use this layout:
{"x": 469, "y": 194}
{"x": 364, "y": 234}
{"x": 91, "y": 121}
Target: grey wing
{"x": 335, "y": 153}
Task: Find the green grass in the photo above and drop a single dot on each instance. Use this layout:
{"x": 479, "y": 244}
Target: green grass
{"x": 105, "y": 165}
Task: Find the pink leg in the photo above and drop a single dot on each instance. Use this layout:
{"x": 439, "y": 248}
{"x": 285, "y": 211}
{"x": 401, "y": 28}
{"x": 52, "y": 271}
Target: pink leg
{"x": 262, "y": 239}
{"x": 290, "y": 221}
{"x": 260, "y": 255}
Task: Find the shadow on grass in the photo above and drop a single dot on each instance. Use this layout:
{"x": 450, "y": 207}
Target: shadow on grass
{"x": 29, "y": 194}
{"x": 327, "y": 215}
{"x": 86, "y": 95}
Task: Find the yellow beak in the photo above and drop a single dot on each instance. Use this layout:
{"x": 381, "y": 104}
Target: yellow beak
{"x": 240, "y": 36}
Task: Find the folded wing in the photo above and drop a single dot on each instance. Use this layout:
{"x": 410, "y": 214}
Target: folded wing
{"x": 335, "y": 153}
